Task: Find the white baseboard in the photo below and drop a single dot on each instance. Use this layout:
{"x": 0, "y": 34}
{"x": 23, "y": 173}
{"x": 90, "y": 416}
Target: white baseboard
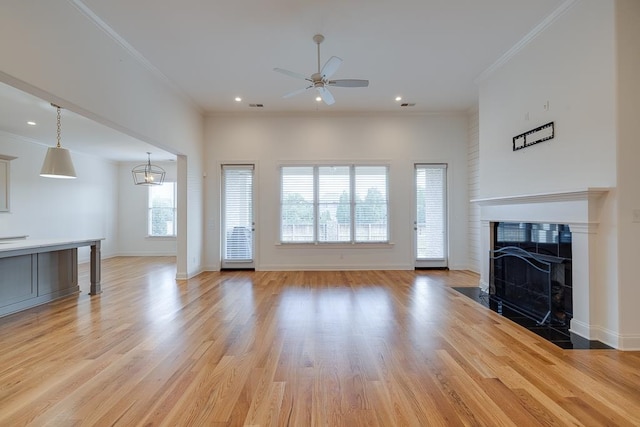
{"x": 186, "y": 276}
{"x": 582, "y": 329}
{"x": 145, "y": 253}
{"x": 332, "y": 267}
{"x": 82, "y": 260}
{"x": 473, "y": 269}
{"x": 628, "y": 342}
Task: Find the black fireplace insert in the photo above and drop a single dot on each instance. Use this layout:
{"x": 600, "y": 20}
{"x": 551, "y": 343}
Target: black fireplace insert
{"x": 531, "y": 270}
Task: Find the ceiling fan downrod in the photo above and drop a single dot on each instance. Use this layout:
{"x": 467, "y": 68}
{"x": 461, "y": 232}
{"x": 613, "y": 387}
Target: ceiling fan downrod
{"x": 318, "y": 38}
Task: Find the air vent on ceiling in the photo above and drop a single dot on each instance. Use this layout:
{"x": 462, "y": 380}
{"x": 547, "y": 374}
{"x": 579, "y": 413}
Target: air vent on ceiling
{"x": 256, "y": 105}
{"x": 407, "y": 104}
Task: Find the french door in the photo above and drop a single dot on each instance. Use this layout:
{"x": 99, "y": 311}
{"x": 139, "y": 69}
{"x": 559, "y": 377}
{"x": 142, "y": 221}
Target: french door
{"x": 430, "y": 221}
{"x": 238, "y": 226}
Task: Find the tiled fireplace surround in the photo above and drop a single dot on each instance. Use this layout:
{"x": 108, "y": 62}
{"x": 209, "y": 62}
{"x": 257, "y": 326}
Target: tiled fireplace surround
{"x": 581, "y": 210}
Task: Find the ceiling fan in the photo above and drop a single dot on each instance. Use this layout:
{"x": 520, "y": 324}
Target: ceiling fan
{"x": 321, "y": 79}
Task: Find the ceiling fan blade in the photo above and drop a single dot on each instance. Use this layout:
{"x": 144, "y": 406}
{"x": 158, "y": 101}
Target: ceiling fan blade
{"x": 330, "y": 67}
{"x": 326, "y": 96}
{"x": 296, "y": 92}
{"x": 348, "y": 83}
{"x": 292, "y": 74}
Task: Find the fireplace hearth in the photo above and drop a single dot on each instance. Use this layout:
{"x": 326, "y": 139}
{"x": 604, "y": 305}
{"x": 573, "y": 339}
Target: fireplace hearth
{"x": 531, "y": 271}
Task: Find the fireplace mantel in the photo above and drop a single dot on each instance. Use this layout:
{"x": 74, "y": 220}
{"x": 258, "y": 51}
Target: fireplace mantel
{"x": 560, "y": 196}
{"x": 583, "y": 211}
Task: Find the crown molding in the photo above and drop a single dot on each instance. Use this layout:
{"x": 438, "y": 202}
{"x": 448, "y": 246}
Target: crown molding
{"x": 325, "y": 114}
{"x": 528, "y": 38}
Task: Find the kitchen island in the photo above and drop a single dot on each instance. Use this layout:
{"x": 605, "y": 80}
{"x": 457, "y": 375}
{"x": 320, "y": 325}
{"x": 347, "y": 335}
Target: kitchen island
{"x": 36, "y": 271}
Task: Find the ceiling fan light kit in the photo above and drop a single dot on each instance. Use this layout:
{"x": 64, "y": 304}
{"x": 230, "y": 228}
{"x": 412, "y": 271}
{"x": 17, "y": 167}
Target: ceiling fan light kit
{"x": 321, "y": 79}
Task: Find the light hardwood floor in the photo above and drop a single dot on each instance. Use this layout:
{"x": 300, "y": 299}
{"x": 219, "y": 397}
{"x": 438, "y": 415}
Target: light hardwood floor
{"x": 374, "y": 348}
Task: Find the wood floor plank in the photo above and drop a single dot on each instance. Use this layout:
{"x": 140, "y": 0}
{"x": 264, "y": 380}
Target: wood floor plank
{"x": 298, "y": 349}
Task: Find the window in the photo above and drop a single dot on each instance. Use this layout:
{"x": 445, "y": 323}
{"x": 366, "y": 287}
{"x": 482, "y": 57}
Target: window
{"x": 371, "y": 204}
{"x": 297, "y": 204}
{"x": 162, "y": 210}
{"x": 334, "y": 204}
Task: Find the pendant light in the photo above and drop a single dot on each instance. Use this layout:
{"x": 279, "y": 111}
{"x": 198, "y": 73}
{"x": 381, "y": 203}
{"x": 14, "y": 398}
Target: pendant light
{"x": 57, "y": 163}
{"x": 148, "y": 174}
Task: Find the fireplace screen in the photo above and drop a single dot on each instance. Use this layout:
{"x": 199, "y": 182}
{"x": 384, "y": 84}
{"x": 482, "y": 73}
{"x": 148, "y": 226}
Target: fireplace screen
{"x": 531, "y": 270}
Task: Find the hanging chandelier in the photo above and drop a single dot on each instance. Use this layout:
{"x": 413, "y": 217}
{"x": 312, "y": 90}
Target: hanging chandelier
{"x": 57, "y": 163}
{"x": 148, "y": 174}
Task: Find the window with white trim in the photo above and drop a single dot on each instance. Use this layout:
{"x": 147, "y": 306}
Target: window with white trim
{"x": 162, "y": 210}
{"x": 334, "y": 204}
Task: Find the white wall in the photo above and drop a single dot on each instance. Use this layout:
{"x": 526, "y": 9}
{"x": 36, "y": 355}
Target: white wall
{"x": 473, "y": 165}
{"x": 54, "y": 51}
{"x": 628, "y": 91}
{"x": 42, "y": 208}
{"x": 400, "y": 141}
{"x": 132, "y": 215}
{"x": 572, "y": 66}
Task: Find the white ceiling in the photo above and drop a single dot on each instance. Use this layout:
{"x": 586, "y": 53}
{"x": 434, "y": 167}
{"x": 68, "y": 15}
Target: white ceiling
{"x": 427, "y": 51}
{"x": 78, "y": 134}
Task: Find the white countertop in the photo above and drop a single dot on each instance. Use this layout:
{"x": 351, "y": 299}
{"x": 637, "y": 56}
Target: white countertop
{"x": 12, "y": 245}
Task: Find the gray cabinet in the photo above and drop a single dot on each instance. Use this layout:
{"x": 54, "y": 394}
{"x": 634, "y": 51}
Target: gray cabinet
{"x": 28, "y": 280}
{"x": 17, "y": 280}
{"x": 34, "y": 272}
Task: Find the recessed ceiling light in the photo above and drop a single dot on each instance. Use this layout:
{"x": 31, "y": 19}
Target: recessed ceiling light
{"x": 31, "y": 123}
{"x": 398, "y": 98}
{"x": 238, "y": 99}
{"x": 318, "y": 99}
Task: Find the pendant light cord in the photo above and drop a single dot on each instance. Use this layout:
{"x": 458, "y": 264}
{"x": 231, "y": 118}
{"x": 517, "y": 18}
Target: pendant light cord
{"x": 58, "y": 126}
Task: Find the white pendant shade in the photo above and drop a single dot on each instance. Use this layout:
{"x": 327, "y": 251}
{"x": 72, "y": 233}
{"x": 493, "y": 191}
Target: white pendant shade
{"x": 57, "y": 164}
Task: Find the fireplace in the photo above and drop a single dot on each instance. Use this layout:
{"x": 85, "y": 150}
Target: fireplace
{"x": 577, "y": 215}
{"x": 530, "y": 270}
